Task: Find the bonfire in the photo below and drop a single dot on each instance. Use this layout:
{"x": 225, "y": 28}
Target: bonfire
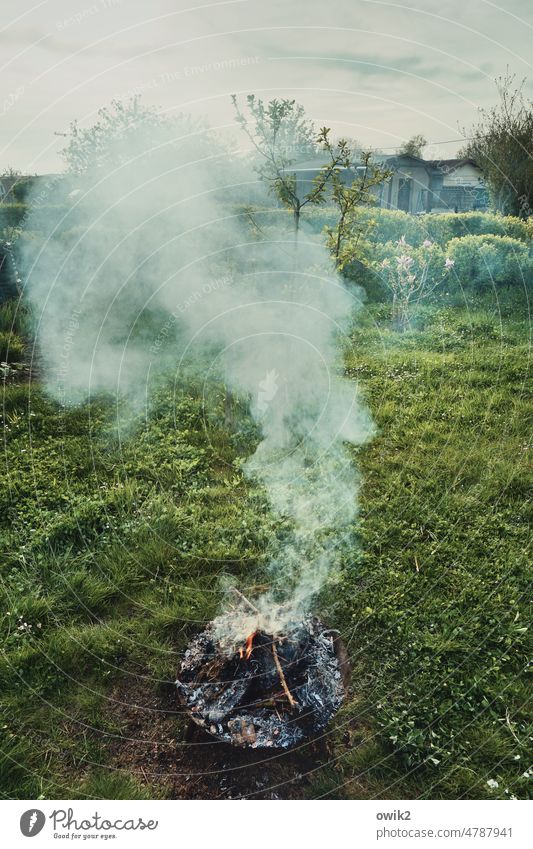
{"x": 275, "y": 690}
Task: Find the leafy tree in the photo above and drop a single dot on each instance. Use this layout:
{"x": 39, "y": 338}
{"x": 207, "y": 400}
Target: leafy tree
{"x": 122, "y": 130}
{"x": 413, "y": 146}
{"x": 502, "y": 145}
{"x": 127, "y": 133}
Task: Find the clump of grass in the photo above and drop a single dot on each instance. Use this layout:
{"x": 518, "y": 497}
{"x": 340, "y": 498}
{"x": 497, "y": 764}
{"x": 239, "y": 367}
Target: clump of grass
{"x": 103, "y": 784}
{"x": 12, "y": 347}
{"x": 15, "y": 330}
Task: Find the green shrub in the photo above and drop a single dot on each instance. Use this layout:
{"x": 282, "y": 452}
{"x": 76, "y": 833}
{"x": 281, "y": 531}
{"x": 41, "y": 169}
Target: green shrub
{"x": 485, "y": 261}
{"x": 442, "y": 228}
{"x": 23, "y": 188}
{"x": 369, "y": 279}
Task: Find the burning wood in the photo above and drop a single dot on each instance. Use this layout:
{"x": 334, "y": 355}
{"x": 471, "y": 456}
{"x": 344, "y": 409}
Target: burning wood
{"x": 272, "y": 692}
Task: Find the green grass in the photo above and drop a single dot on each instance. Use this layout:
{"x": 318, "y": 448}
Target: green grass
{"x": 437, "y": 606}
{"x": 112, "y": 549}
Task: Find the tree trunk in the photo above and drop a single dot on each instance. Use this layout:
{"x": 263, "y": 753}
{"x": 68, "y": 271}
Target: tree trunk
{"x": 296, "y": 225}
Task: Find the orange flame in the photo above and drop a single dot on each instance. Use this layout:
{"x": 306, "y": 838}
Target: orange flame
{"x": 250, "y": 645}
{"x": 247, "y": 652}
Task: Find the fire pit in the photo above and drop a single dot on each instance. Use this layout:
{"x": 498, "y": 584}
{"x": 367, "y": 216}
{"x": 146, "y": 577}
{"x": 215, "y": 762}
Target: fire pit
{"x": 272, "y": 691}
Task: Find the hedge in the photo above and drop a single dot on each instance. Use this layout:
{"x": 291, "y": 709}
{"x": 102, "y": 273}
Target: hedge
{"x": 389, "y": 225}
{"x": 379, "y": 225}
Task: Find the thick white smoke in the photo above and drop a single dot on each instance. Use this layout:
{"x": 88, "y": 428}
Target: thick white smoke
{"x": 150, "y": 259}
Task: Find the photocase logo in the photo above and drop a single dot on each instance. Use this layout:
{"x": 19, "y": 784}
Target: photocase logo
{"x": 268, "y": 388}
{"x": 32, "y": 822}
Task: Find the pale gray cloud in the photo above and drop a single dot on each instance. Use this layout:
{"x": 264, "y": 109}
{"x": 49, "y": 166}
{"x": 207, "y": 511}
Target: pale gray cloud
{"x": 378, "y": 69}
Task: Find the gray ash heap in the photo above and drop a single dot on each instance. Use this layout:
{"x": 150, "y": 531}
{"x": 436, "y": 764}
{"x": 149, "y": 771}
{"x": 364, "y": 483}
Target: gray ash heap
{"x": 272, "y": 692}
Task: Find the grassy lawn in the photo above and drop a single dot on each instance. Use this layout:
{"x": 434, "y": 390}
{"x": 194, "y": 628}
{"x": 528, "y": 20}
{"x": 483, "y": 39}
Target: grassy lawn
{"x": 113, "y": 533}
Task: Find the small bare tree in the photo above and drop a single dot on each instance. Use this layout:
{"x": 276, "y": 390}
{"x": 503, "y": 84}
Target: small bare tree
{"x": 348, "y": 195}
{"x": 281, "y": 134}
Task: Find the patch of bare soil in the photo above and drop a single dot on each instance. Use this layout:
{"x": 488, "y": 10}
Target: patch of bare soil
{"x": 175, "y": 759}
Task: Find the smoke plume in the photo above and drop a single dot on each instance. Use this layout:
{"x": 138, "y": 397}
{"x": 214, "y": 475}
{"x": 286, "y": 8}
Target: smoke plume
{"x": 148, "y": 263}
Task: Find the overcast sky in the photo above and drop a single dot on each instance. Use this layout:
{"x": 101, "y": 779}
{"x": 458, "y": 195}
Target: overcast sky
{"x": 376, "y": 70}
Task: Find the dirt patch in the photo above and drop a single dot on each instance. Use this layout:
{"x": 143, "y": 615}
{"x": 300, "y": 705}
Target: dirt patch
{"x": 175, "y": 759}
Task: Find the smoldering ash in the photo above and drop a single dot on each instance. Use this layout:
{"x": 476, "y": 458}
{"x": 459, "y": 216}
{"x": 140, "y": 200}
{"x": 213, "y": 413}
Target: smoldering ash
{"x": 158, "y": 267}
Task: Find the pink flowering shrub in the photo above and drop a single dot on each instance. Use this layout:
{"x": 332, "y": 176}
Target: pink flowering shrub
{"x": 411, "y": 274}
